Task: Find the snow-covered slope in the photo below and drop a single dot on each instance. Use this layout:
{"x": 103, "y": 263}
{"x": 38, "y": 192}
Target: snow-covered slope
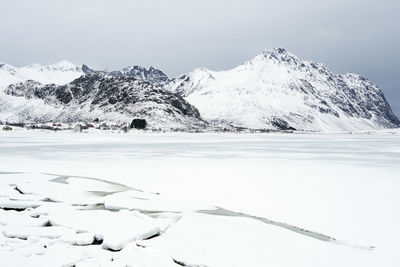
{"x": 98, "y": 95}
{"x": 42, "y": 94}
{"x": 12, "y": 107}
{"x": 58, "y": 73}
{"x": 278, "y": 90}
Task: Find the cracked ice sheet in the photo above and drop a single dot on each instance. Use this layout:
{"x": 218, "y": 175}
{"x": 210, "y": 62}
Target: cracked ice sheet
{"x": 131, "y": 255}
{"x": 199, "y": 239}
{"x": 24, "y": 242}
{"x": 59, "y": 192}
{"x": 50, "y": 223}
{"x": 148, "y": 202}
{"x": 47, "y": 253}
{"x": 354, "y": 204}
{"x": 116, "y": 229}
{"x": 344, "y": 186}
{"x": 38, "y": 186}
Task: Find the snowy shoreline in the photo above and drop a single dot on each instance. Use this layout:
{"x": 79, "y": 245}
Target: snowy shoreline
{"x": 94, "y": 129}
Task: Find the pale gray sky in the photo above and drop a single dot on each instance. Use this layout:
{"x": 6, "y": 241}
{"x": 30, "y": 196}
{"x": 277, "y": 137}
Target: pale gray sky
{"x": 179, "y": 35}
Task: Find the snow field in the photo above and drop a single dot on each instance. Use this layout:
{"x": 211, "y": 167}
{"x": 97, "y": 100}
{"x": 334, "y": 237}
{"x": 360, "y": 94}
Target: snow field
{"x": 107, "y": 199}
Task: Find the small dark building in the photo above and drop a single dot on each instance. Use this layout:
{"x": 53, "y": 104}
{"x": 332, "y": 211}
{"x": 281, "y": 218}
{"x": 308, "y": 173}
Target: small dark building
{"x": 139, "y": 123}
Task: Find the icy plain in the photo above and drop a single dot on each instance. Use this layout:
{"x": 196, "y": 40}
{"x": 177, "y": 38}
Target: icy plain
{"x": 178, "y": 199}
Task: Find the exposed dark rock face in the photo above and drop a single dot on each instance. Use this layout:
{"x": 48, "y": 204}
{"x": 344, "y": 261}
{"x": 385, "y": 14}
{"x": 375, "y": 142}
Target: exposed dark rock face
{"x": 138, "y": 124}
{"x": 117, "y": 97}
{"x": 87, "y": 70}
{"x": 149, "y": 75}
{"x": 281, "y": 124}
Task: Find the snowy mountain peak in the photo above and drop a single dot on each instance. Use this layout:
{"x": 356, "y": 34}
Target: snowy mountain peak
{"x": 64, "y": 65}
{"x": 5, "y": 65}
{"x": 276, "y": 89}
{"x": 186, "y": 84}
{"x": 202, "y": 73}
{"x": 6, "y": 68}
{"x": 152, "y": 74}
{"x": 276, "y": 51}
{"x": 280, "y": 54}
{"x": 60, "y": 72}
{"x": 86, "y": 69}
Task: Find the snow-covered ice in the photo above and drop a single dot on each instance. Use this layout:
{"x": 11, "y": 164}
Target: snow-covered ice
{"x": 171, "y": 199}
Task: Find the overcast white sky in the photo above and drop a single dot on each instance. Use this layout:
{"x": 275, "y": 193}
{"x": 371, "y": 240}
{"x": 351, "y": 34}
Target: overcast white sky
{"x": 361, "y": 36}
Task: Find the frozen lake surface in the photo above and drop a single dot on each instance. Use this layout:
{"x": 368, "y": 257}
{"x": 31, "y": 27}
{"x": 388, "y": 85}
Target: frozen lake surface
{"x": 172, "y": 199}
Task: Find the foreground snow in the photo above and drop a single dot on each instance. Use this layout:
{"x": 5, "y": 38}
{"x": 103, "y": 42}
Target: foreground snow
{"x": 109, "y": 199}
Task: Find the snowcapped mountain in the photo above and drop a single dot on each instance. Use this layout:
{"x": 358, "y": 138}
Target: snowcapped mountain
{"x": 58, "y": 73}
{"x": 278, "y": 90}
{"x": 98, "y": 95}
{"x": 35, "y": 94}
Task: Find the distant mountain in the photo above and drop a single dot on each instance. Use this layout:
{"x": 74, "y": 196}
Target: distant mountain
{"x": 59, "y": 73}
{"x": 277, "y": 90}
{"x": 99, "y": 95}
{"x": 149, "y": 75}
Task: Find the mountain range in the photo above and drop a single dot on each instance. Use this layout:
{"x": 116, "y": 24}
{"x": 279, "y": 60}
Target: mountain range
{"x": 274, "y": 90}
